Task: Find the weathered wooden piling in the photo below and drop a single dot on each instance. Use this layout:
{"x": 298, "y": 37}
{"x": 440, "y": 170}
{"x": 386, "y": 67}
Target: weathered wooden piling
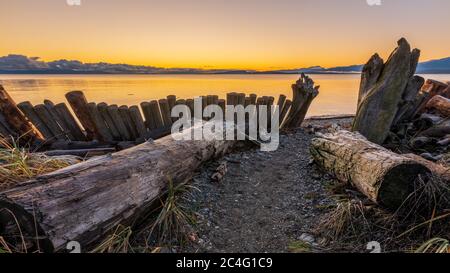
{"x": 43, "y": 113}
{"x": 78, "y": 102}
{"x": 69, "y": 121}
{"x": 103, "y": 110}
{"x": 27, "y": 108}
{"x": 120, "y": 125}
{"x": 15, "y": 120}
{"x": 138, "y": 121}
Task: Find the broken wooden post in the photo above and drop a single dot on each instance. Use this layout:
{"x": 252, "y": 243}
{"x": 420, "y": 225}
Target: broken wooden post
{"x": 16, "y": 121}
{"x": 383, "y": 92}
{"x": 384, "y": 177}
{"x": 304, "y": 92}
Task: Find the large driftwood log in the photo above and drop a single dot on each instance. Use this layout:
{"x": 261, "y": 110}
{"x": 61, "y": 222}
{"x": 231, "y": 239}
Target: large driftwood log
{"x": 304, "y": 92}
{"x": 383, "y": 176}
{"x": 85, "y": 201}
{"x": 15, "y": 120}
{"x": 383, "y": 92}
{"x": 440, "y": 104}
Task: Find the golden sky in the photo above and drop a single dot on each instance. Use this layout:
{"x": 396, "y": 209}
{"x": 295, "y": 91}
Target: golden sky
{"x": 243, "y": 34}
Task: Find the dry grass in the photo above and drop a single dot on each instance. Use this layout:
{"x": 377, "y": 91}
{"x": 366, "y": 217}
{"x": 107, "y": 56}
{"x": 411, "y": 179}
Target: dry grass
{"x": 17, "y": 164}
{"x": 436, "y": 245}
{"x": 174, "y": 219}
{"x": 118, "y": 242}
{"x": 424, "y": 215}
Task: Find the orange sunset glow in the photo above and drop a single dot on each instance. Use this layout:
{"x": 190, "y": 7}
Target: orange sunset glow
{"x": 240, "y": 34}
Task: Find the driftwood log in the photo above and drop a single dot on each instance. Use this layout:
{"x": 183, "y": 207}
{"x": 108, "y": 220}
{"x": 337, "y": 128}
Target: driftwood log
{"x": 304, "y": 92}
{"x": 383, "y": 176}
{"x": 14, "y": 121}
{"x": 385, "y": 89}
{"x": 85, "y": 201}
{"x": 440, "y": 104}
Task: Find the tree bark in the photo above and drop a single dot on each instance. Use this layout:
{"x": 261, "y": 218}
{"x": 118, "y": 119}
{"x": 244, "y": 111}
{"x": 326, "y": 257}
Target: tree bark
{"x": 16, "y": 121}
{"x": 384, "y": 93}
{"x": 85, "y": 201}
{"x": 304, "y": 92}
{"x": 441, "y": 105}
{"x": 370, "y": 75}
{"x": 384, "y": 177}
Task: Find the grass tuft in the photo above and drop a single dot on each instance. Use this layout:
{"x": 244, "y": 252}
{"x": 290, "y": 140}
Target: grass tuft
{"x": 118, "y": 242}
{"x": 173, "y": 221}
{"x": 17, "y": 164}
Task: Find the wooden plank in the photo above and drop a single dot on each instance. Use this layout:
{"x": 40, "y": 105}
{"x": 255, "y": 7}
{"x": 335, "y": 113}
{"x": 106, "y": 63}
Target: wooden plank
{"x": 138, "y": 121}
{"x": 129, "y": 124}
{"x": 103, "y": 110}
{"x": 78, "y": 103}
{"x": 99, "y": 122}
{"x": 156, "y": 113}
{"x": 120, "y": 125}
{"x": 27, "y": 108}
{"x": 165, "y": 112}
{"x": 69, "y": 120}
{"x": 43, "y": 113}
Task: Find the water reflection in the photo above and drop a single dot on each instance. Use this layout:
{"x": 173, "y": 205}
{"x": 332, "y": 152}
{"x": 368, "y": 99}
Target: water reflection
{"x": 338, "y": 92}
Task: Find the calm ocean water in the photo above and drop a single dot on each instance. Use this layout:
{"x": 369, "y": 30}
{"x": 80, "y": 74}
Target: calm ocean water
{"x": 338, "y": 93}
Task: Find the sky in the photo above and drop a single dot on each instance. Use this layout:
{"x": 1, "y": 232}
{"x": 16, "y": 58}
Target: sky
{"x": 212, "y": 34}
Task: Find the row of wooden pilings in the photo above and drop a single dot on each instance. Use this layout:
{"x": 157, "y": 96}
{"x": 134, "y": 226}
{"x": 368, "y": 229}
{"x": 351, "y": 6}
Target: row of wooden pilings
{"x": 105, "y": 123}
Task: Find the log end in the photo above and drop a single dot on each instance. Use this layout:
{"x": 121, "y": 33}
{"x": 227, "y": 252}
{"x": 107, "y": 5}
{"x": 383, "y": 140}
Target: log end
{"x": 398, "y": 184}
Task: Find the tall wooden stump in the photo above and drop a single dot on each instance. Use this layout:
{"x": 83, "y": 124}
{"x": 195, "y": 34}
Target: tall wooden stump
{"x": 384, "y": 90}
{"x": 304, "y": 92}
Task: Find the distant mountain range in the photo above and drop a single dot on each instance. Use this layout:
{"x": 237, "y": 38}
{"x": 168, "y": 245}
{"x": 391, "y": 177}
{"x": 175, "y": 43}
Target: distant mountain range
{"x": 19, "y": 64}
